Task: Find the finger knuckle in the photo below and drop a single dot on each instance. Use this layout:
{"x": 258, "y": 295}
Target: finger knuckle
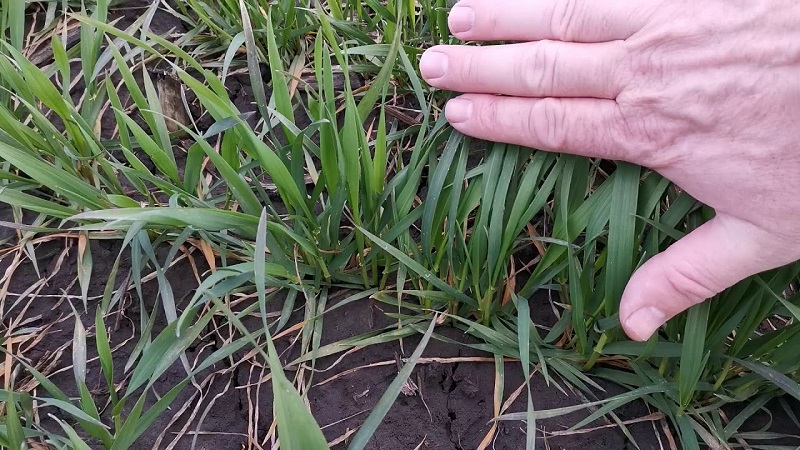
{"x": 547, "y": 122}
{"x": 565, "y": 21}
{"x": 469, "y": 68}
{"x": 657, "y": 138}
{"x": 652, "y": 65}
{"x": 651, "y": 57}
{"x": 537, "y": 70}
{"x": 691, "y": 284}
{"x": 490, "y": 117}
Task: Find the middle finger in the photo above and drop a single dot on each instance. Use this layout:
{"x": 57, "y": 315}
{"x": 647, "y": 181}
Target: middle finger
{"x": 532, "y": 69}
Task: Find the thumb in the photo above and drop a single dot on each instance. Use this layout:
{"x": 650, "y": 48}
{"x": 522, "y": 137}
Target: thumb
{"x": 714, "y": 257}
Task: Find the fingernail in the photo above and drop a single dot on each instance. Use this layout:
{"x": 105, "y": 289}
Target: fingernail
{"x": 644, "y": 322}
{"x": 433, "y": 65}
{"x": 458, "y": 110}
{"x": 461, "y": 19}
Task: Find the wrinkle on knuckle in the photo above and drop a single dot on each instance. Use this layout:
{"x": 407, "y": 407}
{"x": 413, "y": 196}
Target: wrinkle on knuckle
{"x": 537, "y": 70}
{"x": 565, "y": 19}
{"x": 649, "y": 134}
{"x": 660, "y": 54}
{"x": 490, "y": 117}
{"x": 547, "y": 123}
{"x": 645, "y": 56}
{"x": 468, "y": 68}
{"x": 650, "y": 66}
{"x": 632, "y": 130}
{"x": 691, "y": 284}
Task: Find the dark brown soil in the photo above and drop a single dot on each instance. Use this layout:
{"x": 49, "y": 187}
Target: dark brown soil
{"x": 449, "y": 405}
{"x": 450, "y": 408}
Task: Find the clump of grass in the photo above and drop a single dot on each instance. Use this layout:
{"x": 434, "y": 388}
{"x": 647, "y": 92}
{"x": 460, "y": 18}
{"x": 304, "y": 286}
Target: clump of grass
{"x": 354, "y": 198}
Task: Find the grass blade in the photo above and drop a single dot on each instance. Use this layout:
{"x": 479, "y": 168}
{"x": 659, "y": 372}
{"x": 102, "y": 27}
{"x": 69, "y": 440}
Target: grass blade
{"x": 280, "y": 88}
{"x": 692, "y": 354}
{"x": 524, "y": 331}
{"x": 788, "y": 385}
{"x": 59, "y": 180}
{"x": 374, "y": 92}
{"x": 417, "y": 268}
{"x": 610, "y": 404}
{"x": 74, "y": 439}
{"x": 621, "y": 233}
{"x": 84, "y": 267}
{"x": 297, "y": 428}
{"x": 16, "y": 22}
{"x": 104, "y": 354}
{"x": 256, "y": 80}
{"x": 14, "y": 432}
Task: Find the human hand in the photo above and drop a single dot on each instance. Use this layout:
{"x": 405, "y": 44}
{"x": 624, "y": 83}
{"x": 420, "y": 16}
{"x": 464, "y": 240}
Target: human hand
{"x": 705, "y": 93}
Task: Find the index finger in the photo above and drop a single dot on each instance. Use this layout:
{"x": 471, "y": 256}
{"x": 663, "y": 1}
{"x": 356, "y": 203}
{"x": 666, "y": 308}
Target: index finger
{"x": 535, "y": 20}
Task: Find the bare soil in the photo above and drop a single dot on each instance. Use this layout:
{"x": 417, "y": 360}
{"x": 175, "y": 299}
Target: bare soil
{"x": 449, "y": 405}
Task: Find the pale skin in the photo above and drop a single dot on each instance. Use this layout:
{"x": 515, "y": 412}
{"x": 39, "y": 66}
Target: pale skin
{"x": 705, "y": 93}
